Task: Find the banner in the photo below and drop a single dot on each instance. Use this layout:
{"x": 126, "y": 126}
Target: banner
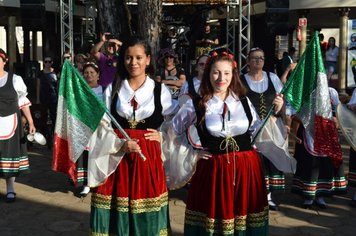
{"x": 351, "y": 61}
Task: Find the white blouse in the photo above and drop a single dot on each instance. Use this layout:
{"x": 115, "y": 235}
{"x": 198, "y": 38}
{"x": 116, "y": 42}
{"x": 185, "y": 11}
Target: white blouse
{"x": 20, "y": 88}
{"x": 144, "y": 97}
{"x": 262, "y": 85}
{"x": 98, "y": 92}
{"x": 235, "y": 124}
{"x": 185, "y": 87}
{"x": 332, "y": 54}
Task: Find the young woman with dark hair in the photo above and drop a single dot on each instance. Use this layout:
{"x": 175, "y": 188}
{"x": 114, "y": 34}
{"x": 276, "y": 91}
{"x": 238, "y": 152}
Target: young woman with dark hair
{"x": 133, "y": 199}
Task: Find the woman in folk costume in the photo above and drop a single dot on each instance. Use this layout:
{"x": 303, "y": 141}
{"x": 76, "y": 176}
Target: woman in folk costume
{"x": 352, "y": 161}
{"x": 227, "y": 195}
{"x": 91, "y": 74}
{"x": 13, "y": 151}
{"x": 262, "y": 89}
{"x": 316, "y": 176}
{"x": 133, "y": 200}
{"x": 191, "y": 86}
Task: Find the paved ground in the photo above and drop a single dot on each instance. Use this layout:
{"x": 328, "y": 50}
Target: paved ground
{"x": 46, "y": 206}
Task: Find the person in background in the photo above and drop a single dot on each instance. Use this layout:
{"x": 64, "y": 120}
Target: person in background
{"x": 79, "y": 61}
{"x": 316, "y": 176}
{"x": 47, "y": 89}
{"x": 286, "y": 73}
{"x": 331, "y": 58}
{"x": 108, "y": 58}
{"x": 288, "y": 58}
{"x": 133, "y": 200}
{"x": 352, "y": 163}
{"x": 91, "y": 74}
{"x": 171, "y": 74}
{"x": 206, "y": 41}
{"x": 228, "y": 187}
{"x": 67, "y": 55}
{"x": 323, "y": 45}
{"x": 13, "y": 150}
{"x": 192, "y": 86}
{"x": 263, "y": 88}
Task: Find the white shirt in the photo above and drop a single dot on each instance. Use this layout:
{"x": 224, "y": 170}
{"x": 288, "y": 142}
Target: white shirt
{"x": 237, "y": 124}
{"x": 98, "y": 92}
{"x": 262, "y": 85}
{"x": 144, "y": 97}
{"x": 185, "y": 87}
{"x": 332, "y": 54}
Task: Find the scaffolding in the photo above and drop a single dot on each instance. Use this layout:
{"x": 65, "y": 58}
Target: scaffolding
{"x": 244, "y": 33}
{"x": 231, "y": 21}
{"x": 66, "y": 17}
{"x": 90, "y": 15}
{"x": 237, "y": 11}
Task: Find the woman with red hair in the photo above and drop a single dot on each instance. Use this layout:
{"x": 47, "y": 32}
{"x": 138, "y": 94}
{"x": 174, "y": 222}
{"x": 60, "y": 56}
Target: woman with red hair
{"x": 227, "y": 194}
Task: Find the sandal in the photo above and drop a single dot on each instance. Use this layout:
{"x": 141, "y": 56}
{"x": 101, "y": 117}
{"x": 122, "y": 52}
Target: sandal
{"x": 10, "y": 199}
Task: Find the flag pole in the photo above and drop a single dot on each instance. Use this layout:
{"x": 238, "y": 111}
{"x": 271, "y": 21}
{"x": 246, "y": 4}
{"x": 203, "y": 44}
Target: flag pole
{"x": 123, "y": 132}
{"x": 270, "y": 112}
{"x": 285, "y": 87}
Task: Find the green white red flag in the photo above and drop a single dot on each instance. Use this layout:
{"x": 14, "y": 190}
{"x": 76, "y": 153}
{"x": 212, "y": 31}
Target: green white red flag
{"x": 79, "y": 113}
{"x": 308, "y": 93}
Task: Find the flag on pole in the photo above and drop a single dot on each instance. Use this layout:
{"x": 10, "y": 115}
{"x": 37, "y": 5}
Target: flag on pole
{"x": 79, "y": 113}
{"x": 308, "y": 93}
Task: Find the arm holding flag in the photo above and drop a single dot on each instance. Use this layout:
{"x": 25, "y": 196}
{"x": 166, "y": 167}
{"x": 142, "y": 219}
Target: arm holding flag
{"x": 307, "y": 92}
{"x": 79, "y": 114}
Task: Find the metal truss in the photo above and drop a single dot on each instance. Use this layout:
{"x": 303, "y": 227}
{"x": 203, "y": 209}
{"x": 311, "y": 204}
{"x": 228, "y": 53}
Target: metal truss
{"x": 90, "y": 15}
{"x": 66, "y": 14}
{"x": 231, "y": 21}
{"x": 238, "y": 12}
{"x": 244, "y": 33}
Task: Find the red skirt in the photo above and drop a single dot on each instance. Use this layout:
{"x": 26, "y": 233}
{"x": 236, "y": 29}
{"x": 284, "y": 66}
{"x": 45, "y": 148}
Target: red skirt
{"x": 228, "y": 196}
{"x": 134, "y": 199}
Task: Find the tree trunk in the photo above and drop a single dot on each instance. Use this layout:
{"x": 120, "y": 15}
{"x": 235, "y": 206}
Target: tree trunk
{"x": 149, "y": 25}
{"x": 114, "y": 17}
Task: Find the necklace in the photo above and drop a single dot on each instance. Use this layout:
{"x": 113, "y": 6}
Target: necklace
{"x": 134, "y": 86}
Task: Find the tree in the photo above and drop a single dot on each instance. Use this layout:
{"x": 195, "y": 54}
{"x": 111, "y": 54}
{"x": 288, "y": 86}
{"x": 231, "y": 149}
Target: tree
{"x": 149, "y": 24}
{"x": 114, "y": 17}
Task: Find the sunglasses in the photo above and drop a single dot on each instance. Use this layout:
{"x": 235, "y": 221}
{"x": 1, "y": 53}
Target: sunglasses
{"x": 169, "y": 56}
{"x": 66, "y": 57}
{"x": 47, "y": 61}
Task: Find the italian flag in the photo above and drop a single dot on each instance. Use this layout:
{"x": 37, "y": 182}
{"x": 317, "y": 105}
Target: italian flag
{"x": 308, "y": 93}
{"x": 79, "y": 114}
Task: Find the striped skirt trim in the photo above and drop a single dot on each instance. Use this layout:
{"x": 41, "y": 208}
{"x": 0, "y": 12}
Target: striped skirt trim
{"x": 122, "y": 204}
{"x": 14, "y": 165}
{"x": 326, "y": 187}
{"x": 244, "y": 223}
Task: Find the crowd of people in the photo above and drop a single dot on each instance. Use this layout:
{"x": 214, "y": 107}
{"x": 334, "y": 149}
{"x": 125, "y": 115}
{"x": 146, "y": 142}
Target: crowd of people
{"x": 195, "y": 129}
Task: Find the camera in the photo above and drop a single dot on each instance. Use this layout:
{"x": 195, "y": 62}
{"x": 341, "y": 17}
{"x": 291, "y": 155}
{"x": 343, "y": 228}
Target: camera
{"x": 111, "y": 36}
